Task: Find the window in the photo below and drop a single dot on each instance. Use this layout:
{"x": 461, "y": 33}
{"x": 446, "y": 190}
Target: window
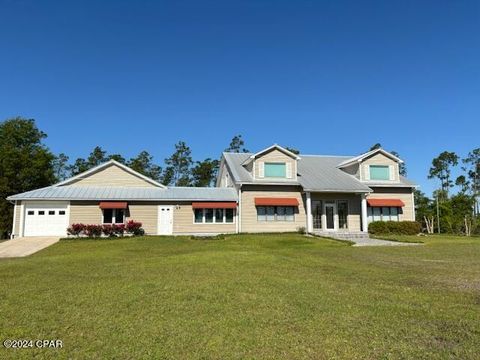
{"x": 198, "y": 215}
{"x": 275, "y": 213}
{"x": 113, "y": 216}
{"x": 229, "y": 215}
{"x": 278, "y": 170}
{"x": 31, "y": 213}
{"x": 41, "y": 212}
{"x": 217, "y": 216}
{"x": 379, "y": 172}
{"x": 51, "y": 212}
{"x": 61, "y": 212}
{"x": 317, "y": 214}
{"x": 382, "y": 213}
{"x": 342, "y": 208}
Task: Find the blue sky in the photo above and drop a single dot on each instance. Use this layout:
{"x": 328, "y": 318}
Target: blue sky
{"x": 326, "y": 77}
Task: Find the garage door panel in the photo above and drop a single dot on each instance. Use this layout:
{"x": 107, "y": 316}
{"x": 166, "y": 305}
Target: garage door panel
{"x": 46, "y": 219}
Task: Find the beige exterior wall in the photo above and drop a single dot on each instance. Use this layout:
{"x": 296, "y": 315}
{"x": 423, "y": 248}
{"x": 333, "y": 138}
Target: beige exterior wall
{"x": 18, "y": 214}
{"x": 183, "y": 223}
{"x": 378, "y": 159}
{"x": 112, "y": 176}
{"x": 147, "y": 214}
{"x": 275, "y": 156}
{"x": 85, "y": 212}
{"x": 354, "y": 207}
{"x": 249, "y": 222}
{"x": 407, "y": 213}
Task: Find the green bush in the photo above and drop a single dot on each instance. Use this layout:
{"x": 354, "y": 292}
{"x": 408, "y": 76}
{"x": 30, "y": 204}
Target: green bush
{"x": 394, "y": 228}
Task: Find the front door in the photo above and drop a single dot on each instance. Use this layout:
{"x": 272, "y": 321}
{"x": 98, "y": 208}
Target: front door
{"x": 330, "y": 210}
{"x": 165, "y": 220}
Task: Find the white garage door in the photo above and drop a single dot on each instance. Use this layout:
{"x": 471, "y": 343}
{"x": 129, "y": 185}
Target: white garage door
{"x": 46, "y": 219}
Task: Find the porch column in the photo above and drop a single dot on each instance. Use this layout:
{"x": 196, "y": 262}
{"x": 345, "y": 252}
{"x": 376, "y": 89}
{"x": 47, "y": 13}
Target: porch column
{"x": 364, "y": 213}
{"x": 309, "y": 212}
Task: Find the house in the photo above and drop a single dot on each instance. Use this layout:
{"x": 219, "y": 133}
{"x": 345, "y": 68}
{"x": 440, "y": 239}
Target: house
{"x": 273, "y": 190}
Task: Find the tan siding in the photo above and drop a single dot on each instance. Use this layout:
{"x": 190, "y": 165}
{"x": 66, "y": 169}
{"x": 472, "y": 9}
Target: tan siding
{"x": 249, "y": 222}
{"x": 379, "y": 159}
{"x": 404, "y": 194}
{"x": 85, "y": 213}
{"x": 16, "y": 227}
{"x": 354, "y": 207}
{"x": 146, "y": 213}
{"x": 112, "y": 176}
{"x": 276, "y": 156}
{"x": 183, "y": 223}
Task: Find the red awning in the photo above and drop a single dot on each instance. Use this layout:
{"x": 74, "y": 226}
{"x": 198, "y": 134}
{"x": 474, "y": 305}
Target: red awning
{"x": 276, "y": 202}
{"x": 215, "y": 205}
{"x": 385, "y": 202}
{"x": 113, "y": 205}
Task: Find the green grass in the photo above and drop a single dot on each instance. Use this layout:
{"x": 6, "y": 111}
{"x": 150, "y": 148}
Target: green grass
{"x": 251, "y": 296}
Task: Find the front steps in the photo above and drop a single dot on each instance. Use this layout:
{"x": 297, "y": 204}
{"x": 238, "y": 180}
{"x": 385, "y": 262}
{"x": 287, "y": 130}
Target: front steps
{"x": 343, "y": 235}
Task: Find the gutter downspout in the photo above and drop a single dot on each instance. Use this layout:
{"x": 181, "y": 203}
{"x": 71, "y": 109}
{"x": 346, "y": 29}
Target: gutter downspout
{"x": 239, "y": 210}
{"x": 12, "y": 235}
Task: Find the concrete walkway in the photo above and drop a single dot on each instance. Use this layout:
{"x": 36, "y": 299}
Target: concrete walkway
{"x": 377, "y": 242}
{"x": 25, "y": 246}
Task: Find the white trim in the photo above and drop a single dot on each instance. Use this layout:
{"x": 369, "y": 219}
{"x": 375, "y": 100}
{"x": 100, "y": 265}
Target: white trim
{"x": 364, "y": 216}
{"x": 413, "y": 207}
{"x": 272, "y": 147}
{"x": 12, "y": 235}
{"x": 22, "y": 219}
{"x": 239, "y": 210}
{"x": 309, "y": 212}
{"x": 105, "y": 165}
{"x": 114, "y": 217}
{"x": 361, "y": 157}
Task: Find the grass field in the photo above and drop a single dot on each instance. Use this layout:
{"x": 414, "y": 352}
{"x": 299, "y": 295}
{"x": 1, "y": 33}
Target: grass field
{"x": 247, "y": 296}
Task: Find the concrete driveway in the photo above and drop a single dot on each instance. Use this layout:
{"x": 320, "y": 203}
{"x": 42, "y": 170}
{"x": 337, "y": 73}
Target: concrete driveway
{"x": 25, "y": 246}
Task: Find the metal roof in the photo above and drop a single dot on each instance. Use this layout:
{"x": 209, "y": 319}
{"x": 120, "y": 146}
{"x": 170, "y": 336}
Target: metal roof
{"x": 128, "y": 193}
{"x": 315, "y": 173}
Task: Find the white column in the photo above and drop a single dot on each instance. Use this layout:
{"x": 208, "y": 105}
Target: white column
{"x": 309, "y": 213}
{"x": 364, "y": 213}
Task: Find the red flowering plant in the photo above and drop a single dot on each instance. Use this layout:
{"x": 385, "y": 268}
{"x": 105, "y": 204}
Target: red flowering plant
{"x": 76, "y": 229}
{"x": 118, "y": 229}
{"x": 93, "y": 230}
{"x": 108, "y": 230}
{"x": 135, "y": 228}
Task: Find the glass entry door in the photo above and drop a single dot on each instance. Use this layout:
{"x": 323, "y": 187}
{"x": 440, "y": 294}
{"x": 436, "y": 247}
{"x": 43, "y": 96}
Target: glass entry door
{"x": 330, "y": 210}
{"x": 317, "y": 214}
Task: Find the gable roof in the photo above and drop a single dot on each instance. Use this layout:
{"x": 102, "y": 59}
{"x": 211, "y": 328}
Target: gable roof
{"x": 105, "y": 165}
{"x": 270, "y": 148}
{"x": 329, "y": 179}
{"x": 363, "y": 156}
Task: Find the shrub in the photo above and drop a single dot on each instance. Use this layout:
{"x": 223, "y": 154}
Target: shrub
{"x": 118, "y": 229}
{"x": 135, "y": 228}
{"x": 302, "y": 230}
{"x": 93, "y": 230}
{"x": 76, "y": 229}
{"x": 394, "y": 227}
{"x": 108, "y": 230}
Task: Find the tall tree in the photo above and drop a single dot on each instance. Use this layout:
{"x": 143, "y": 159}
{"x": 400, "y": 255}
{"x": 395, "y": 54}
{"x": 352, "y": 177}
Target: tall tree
{"x": 463, "y": 183}
{"x": 441, "y": 169}
{"x": 60, "y": 166}
{"x": 178, "y": 166}
{"x": 118, "y": 158}
{"x": 472, "y": 168}
{"x": 375, "y": 146}
{"x": 293, "y": 150}
{"x": 25, "y": 164}
{"x": 237, "y": 145}
{"x": 205, "y": 172}
{"x": 143, "y": 163}
{"x": 97, "y": 156}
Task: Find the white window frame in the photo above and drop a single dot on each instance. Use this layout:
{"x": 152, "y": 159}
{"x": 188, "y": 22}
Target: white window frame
{"x": 114, "y": 217}
{"x": 275, "y": 214}
{"x": 214, "y": 220}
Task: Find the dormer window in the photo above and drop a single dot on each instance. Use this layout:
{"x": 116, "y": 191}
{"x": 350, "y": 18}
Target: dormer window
{"x": 275, "y": 170}
{"x": 379, "y": 172}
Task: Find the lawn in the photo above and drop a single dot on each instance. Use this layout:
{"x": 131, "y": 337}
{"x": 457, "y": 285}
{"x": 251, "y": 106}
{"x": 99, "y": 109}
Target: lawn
{"x": 247, "y": 296}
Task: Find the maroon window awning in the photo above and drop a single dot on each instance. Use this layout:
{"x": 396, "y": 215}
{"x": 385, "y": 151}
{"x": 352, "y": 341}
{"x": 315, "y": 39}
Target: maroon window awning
{"x": 385, "y": 202}
{"x": 215, "y": 205}
{"x": 113, "y": 205}
{"x": 276, "y": 201}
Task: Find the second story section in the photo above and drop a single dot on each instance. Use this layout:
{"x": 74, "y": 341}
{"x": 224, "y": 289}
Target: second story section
{"x": 376, "y": 167}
